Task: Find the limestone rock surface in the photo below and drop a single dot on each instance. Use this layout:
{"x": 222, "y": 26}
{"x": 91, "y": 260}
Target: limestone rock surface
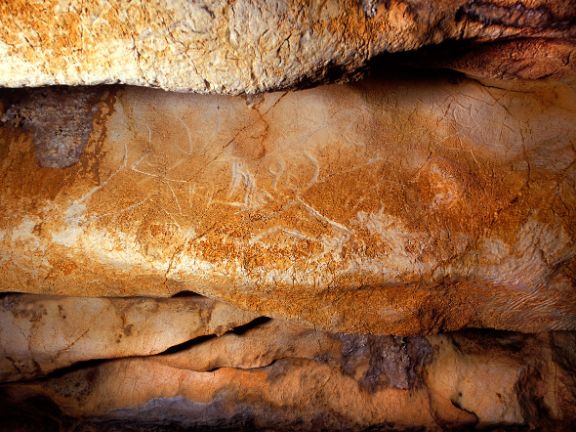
{"x": 279, "y": 375}
{"x": 394, "y": 254}
{"x": 250, "y": 46}
{"x": 39, "y": 334}
{"x": 393, "y": 206}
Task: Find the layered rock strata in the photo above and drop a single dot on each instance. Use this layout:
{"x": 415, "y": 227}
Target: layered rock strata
{"x": 279, "y": 375}
{"x": 393, "y": 254}
{"x": 39, "y": 334}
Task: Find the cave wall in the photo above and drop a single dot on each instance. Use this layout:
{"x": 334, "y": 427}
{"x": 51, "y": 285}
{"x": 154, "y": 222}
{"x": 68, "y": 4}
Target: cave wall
{"x": 341, "y": 215}
{"x": 250, "y": 46}
{"x": 423, "y": 204}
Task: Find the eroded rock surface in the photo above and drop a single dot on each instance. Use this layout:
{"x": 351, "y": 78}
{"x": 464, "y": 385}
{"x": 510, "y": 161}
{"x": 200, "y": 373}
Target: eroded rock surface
{"x": 394, "y": 206}
{"x": 39, "y": 334}
{"x": 59, "y": 120}
{"x": 251, "y": 46}
{"x": 282, "y": 376}
{"x": 396, "y": 254}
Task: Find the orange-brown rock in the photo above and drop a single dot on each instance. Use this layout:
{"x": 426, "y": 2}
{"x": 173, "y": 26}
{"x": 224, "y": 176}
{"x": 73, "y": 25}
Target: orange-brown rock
{"x": 394, "y": 206}
{"x": 393, "y": 254}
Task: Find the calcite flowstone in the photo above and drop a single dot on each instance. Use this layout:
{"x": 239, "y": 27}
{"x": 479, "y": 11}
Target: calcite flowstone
{"x": 283, "y": 376}
{"x": 394, "y": 206}
{"x": 249, "y": 46}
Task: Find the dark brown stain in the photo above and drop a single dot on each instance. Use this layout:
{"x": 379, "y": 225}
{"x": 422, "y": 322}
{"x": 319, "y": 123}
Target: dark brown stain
{"x": 128, "y": 330}
{"x": 61, "y": 312}
{"x": 392, "y": 361}
{"x": 516, "y": 15}
{"x": 59, "y": 120}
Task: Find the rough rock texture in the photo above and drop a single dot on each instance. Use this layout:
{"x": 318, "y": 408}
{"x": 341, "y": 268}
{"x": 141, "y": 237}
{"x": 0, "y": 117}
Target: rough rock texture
{"x": 419, "y": 206}
{"x": 499, "y": 61}
{"x": 279, "y": 375}
{"x": 39, "y": 334}
{"x": 249, "y": 46}
{"x": 60, "y": 121}
{"x": 396, "y": 254}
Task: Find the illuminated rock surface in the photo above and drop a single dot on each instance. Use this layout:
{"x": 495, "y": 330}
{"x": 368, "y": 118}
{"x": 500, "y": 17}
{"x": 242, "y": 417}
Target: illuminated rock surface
{"x": 395, "y": 253}
{"x": 392, "y": 206}
{"x": 276, "y": 375}
{"x": 250, "y": 46}
{"x": 40, "y": 333}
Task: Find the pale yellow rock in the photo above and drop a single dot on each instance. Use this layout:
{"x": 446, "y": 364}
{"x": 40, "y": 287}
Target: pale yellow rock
{"x": 260, "y": 347}
{"x": 39, "y": 334}
{"x": 243, "y": 46}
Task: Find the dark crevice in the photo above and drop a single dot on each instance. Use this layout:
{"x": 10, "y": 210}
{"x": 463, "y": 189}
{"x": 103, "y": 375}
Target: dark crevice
{"x": 457, "y": 404}
{"x": 60, "y": 372}
{"x": 187, "y": 294}
{"x": 490, "y": 59}
{"x": 240, "y": 330}
{"x": 87, "y": 364}
{"x": 92, "y": 363}
{"x": 5, "y": 294}
{"x": 188, "y": 344}
{"x": 475, "y": 340}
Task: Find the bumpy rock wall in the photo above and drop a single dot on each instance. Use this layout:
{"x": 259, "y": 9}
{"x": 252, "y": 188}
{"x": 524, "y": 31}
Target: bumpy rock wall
{"x": 422, "y": 205}
{"x": 364, "y": 219}
{"x": 396, "y": 253}
{"x": 250, "y": 46}
{"x": 266, "y": 374}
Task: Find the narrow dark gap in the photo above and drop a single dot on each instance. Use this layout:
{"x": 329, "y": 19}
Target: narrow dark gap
{"x": 240, "y": 330}
{"x": 5, "y": 294}
{"x": 88, "y": 364}
{"x": 76, "y": 367}
{"x": 419, "y": 65}
{"x": 188, "y": 344}
{"x": 504, "y": 340}
{"x": 187, "y": 294}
